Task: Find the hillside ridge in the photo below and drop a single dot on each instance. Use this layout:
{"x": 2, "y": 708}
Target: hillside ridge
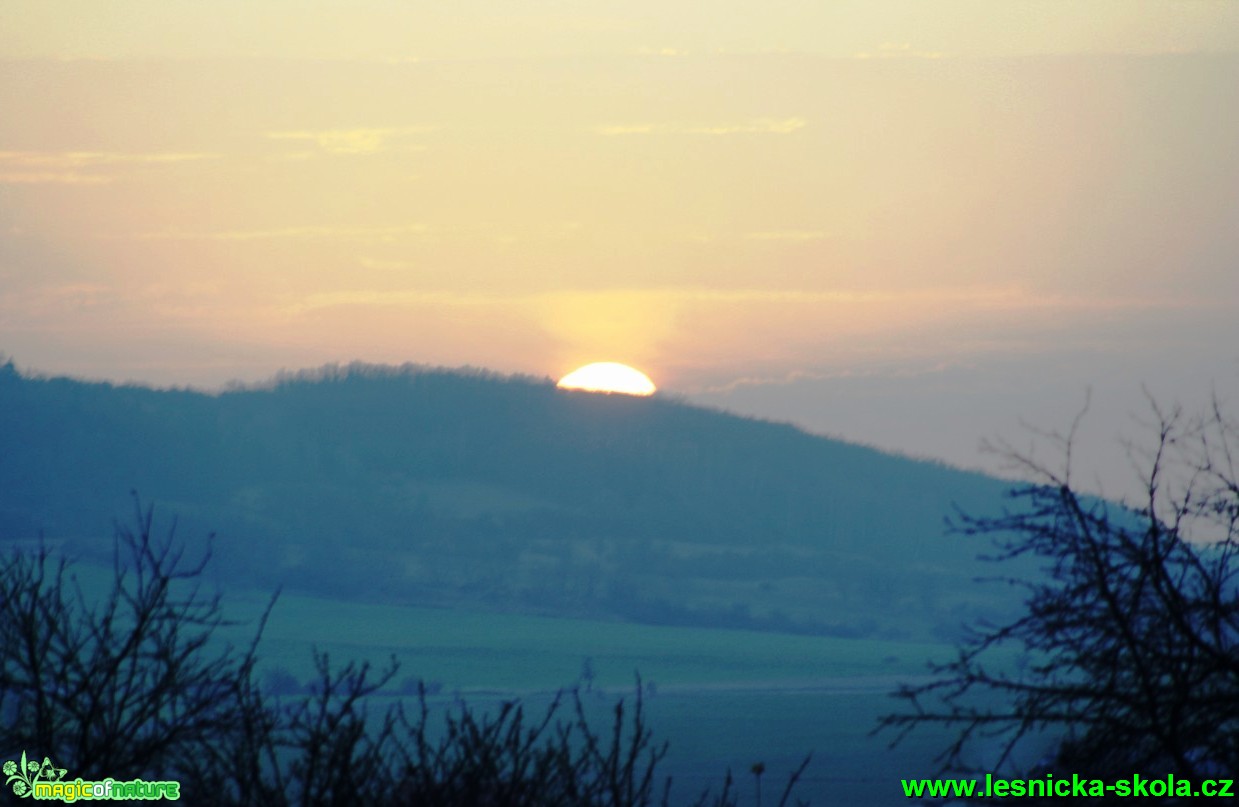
{"x": 436, "y": 486}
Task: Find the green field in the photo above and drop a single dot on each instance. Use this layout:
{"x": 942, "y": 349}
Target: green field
{"x": 518, "y": 653}
{"x": 722, "y": 698}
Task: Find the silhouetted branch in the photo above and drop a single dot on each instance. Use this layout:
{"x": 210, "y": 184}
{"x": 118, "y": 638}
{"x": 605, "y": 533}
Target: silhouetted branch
{"x": 1131, "y": 635}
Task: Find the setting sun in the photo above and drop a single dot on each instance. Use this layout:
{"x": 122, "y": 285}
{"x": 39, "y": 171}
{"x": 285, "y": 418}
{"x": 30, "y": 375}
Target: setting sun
{"x": 608, "y": 376}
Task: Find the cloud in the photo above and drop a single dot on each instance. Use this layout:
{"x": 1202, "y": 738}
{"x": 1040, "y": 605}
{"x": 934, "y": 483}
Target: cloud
{"x": 352, "y": 141}
{"x": 398, "y": 297}
{"x": 75, "y": 294}
{"x": 640, "y": 128}
{"x": 303, "y": 232}
{"x": 891, "y": 369}
{"x": 667, "y": 52}
{"x": 1000, "y": 299}
{"x": 41, "y": 307}
{"x": 786, "y": 235}
{"x": 694, "y": 332}
{"x": 79, "y": 167}
{"x": 52, "y": 178}
{"x": 589, "y": 301}
{"x": 899, "y": 50}
{"x": 90, "y": 159}
{"x": 756, "y": 126}
{"x": 382, "y": 264}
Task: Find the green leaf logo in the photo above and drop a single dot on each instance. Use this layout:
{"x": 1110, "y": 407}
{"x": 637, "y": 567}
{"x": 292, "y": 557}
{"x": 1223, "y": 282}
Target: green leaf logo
{"x": 22, "y": 775}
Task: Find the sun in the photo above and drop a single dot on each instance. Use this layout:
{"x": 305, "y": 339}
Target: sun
{"x": 608, "y": 376}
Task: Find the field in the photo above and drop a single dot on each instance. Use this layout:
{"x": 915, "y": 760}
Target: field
{"x": 722, "y": 698}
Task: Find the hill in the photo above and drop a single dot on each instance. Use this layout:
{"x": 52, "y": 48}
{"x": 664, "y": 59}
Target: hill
{"x": 462, "y": 488}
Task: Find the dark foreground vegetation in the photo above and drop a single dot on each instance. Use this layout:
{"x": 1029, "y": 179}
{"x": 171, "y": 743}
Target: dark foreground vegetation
{"x": 1127, "y": 655}
{"x": 137, "y": 684}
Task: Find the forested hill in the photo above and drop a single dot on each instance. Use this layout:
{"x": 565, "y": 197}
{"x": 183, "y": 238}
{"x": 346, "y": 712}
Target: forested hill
{"x": 464, "y": 488}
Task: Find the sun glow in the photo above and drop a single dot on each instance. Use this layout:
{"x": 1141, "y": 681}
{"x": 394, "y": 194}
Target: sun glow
{"x": 608, "y": 376}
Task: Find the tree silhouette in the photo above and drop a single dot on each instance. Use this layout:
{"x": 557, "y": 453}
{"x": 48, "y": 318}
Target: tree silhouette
{"x": 138, "y": 685}
{"x": 130, "y": 682}
{"x": 1129, "y": 643}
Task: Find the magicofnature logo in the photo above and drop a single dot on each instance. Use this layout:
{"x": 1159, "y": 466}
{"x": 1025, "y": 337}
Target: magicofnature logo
{"x": 45, "y": 782}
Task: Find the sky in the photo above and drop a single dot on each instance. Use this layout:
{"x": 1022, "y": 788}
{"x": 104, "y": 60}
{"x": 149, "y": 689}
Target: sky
{"x": 914, "y": 224}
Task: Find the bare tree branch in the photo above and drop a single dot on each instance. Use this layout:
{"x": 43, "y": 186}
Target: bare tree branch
{"x": 1132, "y": 631}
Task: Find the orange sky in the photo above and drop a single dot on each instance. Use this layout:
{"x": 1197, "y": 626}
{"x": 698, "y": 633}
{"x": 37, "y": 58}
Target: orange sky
{"x": 746, "y": 200}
